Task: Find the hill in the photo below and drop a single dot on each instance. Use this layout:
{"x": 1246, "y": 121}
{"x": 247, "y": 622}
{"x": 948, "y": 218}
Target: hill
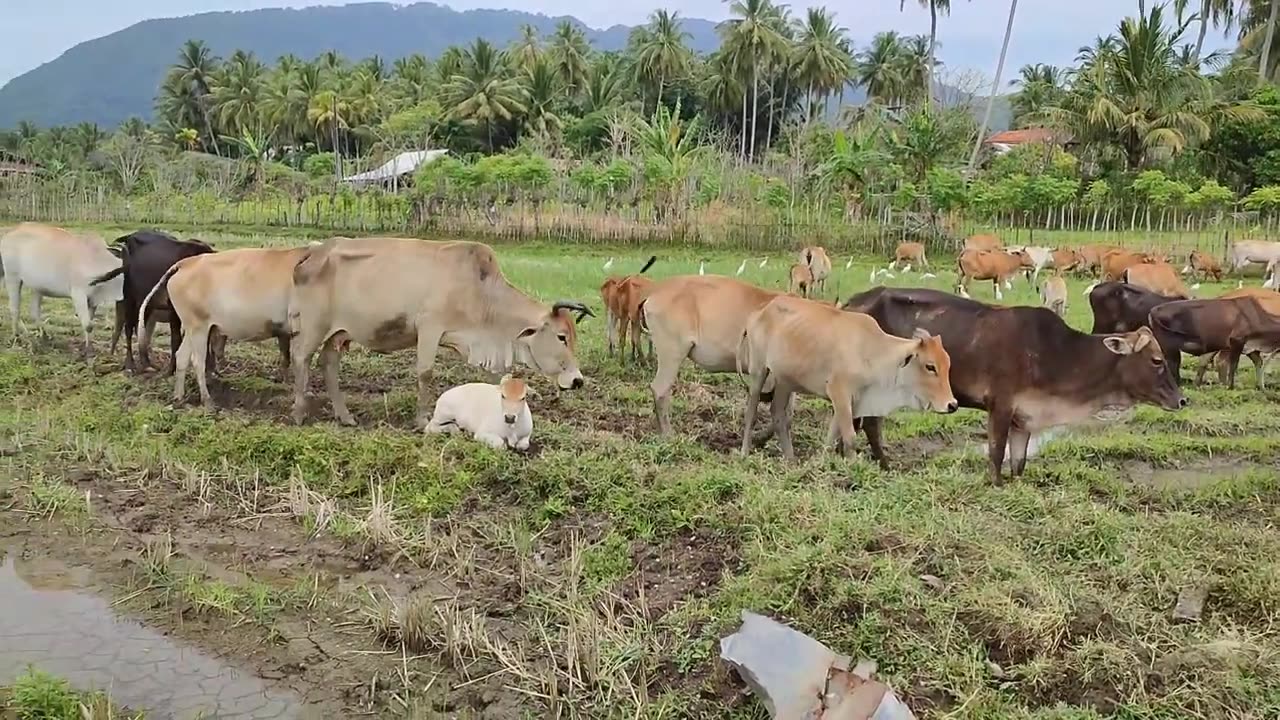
{"x": 108, "y": 79}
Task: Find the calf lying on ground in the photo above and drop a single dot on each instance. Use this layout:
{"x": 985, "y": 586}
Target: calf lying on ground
{"x": 816, "y": 349}
{"x": 497, "y": 415}
{"x": 1026, "y": 367}
{"x": 53, "y": 262}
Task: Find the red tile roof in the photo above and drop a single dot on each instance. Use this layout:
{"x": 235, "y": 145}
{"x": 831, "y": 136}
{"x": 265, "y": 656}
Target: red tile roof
{"x": 1019, "y": 137}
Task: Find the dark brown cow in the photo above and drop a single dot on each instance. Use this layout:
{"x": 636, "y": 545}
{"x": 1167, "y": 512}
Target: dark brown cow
{"x": 1025, "y": 366}
{"x": 1119, "y": 307}
{"x": 1200, "y": 327}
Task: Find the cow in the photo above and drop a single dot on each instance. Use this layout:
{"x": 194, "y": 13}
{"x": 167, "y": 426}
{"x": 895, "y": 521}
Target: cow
{"x": 701, "y": 318}
{"x": 145, "y": 256}
{"x": 817, "y": 349}
{"x": 1025, "y": 366}
{"x": 1119, "y": 307}
{"x": 240, "y": 294}
{"x": 1201, "y": 327}
{"x": 1041, "y": 257}
{"x": 1159, "y": 278}
{"x": 53, "y": 262}
{"x": 1203, "y": 264}
{"x": 909, "y": 254}
{"x": 1115, "y": 262}
{"x": 1053, "y": 295}
{"x": 496, "y": 415}
{"x": 1091, "y": 257}
{"x": 1065, "y": 260}
{"x": 983, "y": 242}
{"x": 800, "y": 281}
{"x": 621, "y": 297}
{"x": 815, "y": 258}
{"x": 389, "y": 294}
{"x": 1260, "y": 352}
{"x": 994, "y": 265}
{"x": 1245, "y": 252}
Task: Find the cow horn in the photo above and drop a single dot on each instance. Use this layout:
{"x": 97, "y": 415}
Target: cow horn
{"x": 572, "y": 306}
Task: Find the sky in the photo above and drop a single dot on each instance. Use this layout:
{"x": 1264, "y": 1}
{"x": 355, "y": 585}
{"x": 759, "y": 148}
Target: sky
{"x": 37, "y": 31}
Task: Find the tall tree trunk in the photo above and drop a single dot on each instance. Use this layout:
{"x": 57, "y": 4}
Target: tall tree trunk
{"x": 933, "y": 46}
{"x": 1264, "y": 64}
{"x": 742, "y": 140}
{"x": 995, "y": 89}
{"x": 755, "y": 104}
{"x": 1204, "y": 28}
{"x": 661, "y": 81}
{"x": 773, "y": 109}
{"x": 808, "y": 105}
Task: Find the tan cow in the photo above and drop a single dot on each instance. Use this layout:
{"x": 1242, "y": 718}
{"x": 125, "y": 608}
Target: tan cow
{"x": 983, "y": 242}
{"x": 997, "y": 266}
{"x": 390, "y": 294}
{"x": 1245, "y": 252}
{"x": 621, "y": 297}
{"x": 817, "y": 349}
{"x": 1053, "y": 294}
{"x": 1203, "y": 264}
{"x": 53, "y": 262}
{"x": 235, "y": 295}
{"x": 800, "y": 281}
{"x": 1065, "y": 260}
{"x": 697, "y": 317}
{"x": 1091, "y": 257}
{"x": 1115, "y": 262}
{"x": 1159, "y": 278}
{"x": 909, "y": 254}
{"x": 1259, "y": 351}
{"x": 816, "y": 259}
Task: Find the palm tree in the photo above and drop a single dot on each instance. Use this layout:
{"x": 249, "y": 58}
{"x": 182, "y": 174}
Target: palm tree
{"x": 195, "y": 69}
{"x": 935, "y": 7}
{"x": 411, "y": 77}
{"x": 879, "y": 69}
{"x": 753, "y": 38}
{"x": 570, "y": 49}
{"x": 483, "y": 92}
{"x": 542, "y": 88}
{"x": 995, "y": 88}
{"x": 822, "y": 63}
{"x": 604, "y": 86}
{"x": 237, "y": 96}
{"x": 527, "y": 49}
{"x": 328, "y": 110}
{"x": 916, "y": 63}
{"x": 1039, "y": 86}
{"x": 1264, "y": 66}
{"x": 1219, "y": 13}
{"x": 660, "y": 51}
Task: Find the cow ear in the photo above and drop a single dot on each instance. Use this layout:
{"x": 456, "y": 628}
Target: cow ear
{"x": 921, "y": 334}
{"x": 1118, "y": 345}
{"x": 1144, "y": 338}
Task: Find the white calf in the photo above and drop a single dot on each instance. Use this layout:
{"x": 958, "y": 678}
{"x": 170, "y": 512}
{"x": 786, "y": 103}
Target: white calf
{"x": 497, "y": 415}
{"x": 55, "y": 263}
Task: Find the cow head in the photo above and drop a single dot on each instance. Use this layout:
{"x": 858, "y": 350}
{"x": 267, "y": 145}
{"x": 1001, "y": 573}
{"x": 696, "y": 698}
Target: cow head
{"x": 927, "y": 369}
{"x": 549, "y": 346}
{"x": 1024, "y": 258}
{"x": 513, "y": 392}
{"x": 1142, "y": 371}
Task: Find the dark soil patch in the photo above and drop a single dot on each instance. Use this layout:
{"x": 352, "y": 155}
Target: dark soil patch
{"x": 688, "y": 566}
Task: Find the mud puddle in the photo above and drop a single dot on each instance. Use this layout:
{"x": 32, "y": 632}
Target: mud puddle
{"x": 51, "y": 621}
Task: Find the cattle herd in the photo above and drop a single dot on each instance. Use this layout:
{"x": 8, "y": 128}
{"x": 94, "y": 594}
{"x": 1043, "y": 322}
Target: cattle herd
{"x": 881, "y": 350}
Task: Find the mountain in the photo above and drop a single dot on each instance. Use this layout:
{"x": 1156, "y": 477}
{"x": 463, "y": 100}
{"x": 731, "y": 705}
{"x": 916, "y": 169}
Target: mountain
{"x": 108, "y": 79}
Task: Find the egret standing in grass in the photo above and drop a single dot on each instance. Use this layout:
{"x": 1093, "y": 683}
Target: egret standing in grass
{"x": 608, "y": 265}
{"x": 742, "y": 268}
{"x": 702, "y": 268}
{"x": 764, "y": 262}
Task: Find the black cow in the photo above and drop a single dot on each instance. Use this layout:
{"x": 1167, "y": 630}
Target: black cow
{"x": 1026, "y": 367}
{"x": 145, "y": 256}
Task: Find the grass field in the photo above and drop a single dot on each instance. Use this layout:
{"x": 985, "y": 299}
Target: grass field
{"x": 593, "y": 577}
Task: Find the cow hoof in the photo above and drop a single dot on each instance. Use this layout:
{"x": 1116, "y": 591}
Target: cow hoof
{"x": 298, "y": 417}
{"x": 347, "y": 421}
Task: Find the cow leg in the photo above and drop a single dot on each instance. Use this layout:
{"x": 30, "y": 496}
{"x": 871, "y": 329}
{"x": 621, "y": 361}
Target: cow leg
{"x": 1204, "y": 362}
{"x": 635, "y": 340}
{"x": 1233, "y": 364}
{"x": 1018, "y": 441}
{"x": 780, "y": 410}
{"x": 1259, "y": 367}
{"x": 144, "y": 342}
{"x": 119, "y": 327}
{"x": 754, "y": 386}
{"x": 669, "y": 359}
{"x": 999, "y": 422}
{"x": 329, "y": 359}
{"x": 303, "y": 346}
{"x": 80, "y": 301}
{"x": 199, "y": 353}
{"x": 622, "y": 331}
{"x": 37, "y": 317}
{"x": 181, "y": 362}
{"x": 428, "y": 346}
{"x": 871, "y": 427}
{"x": 610, "y": 321}
{"x": 996, "y": 284}
{"x": 283, "y": 343}
{"x": 1173, "y": 361}
{"x": 14, "y": 285}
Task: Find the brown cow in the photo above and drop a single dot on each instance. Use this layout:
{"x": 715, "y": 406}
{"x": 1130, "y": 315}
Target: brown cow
{"x": 1065, "y": 260}
{"x": 1115, "y": 262}
{"x": 1053, "y": 295}
{"x": 1204, "y": 265}
{"x": 983, "y": 242}
{"x": 909, "y": 254}
{"x": 801, "y": 280}
{"x": 816, "y": 259}
{"x": 1159, "y": 278}
{"x": 700, "y": 317}
{"x": 1026, "y": 367}
{"x": 621, "y": 297}
{"x": 1091, "y": 257}
{"x": 1260, "y": 352}
{"x": 816, "y": 349}
{"x": 994, "y": 265}
{"x": 1201, "y": 327}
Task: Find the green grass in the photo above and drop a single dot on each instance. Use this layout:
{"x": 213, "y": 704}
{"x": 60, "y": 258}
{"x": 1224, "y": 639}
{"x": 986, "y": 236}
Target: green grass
{"x": 1064, "y": 579}
{"x": 37, "y": 695}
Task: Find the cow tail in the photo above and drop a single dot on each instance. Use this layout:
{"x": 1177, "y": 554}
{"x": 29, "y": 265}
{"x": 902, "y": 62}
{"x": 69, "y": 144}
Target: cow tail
{"x": 743, "y": 353}
{"x": 103, "y": 278}
{"x": 162, "y": 282}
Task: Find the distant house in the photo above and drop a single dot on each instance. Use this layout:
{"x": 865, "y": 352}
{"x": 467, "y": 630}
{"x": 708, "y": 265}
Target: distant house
{"x": 397, "y": 167}
{"x": 12, "y": 166}
{"x": 1002, "y": 142}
